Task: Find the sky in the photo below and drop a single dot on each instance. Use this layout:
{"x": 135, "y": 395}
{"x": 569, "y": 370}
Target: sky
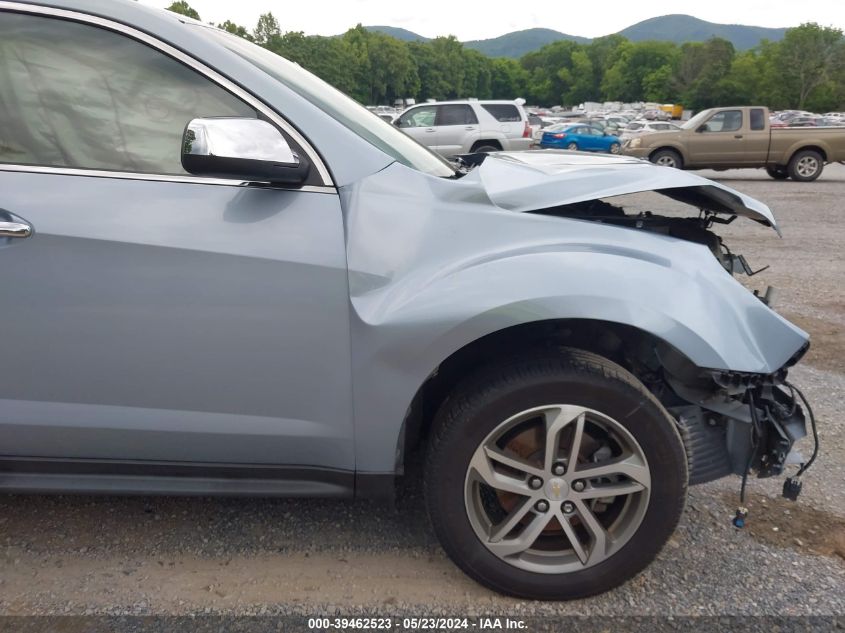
{"x": 476, "y": 19}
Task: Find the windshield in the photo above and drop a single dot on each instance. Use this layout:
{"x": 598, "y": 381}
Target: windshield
{"x": 343, "y": 109}
{"x": 697, "y": 120}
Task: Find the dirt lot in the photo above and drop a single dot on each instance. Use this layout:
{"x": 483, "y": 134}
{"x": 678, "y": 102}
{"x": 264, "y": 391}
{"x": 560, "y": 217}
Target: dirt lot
{"x": 176, "y": 556}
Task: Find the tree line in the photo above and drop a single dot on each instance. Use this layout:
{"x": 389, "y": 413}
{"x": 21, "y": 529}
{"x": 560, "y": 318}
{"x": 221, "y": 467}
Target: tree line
{"x": 805, "y": 70}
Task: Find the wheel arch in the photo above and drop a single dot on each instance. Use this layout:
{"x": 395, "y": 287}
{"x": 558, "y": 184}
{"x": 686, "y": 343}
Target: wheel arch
{"x": 612, "y": 340}
{"x": 486, "y": 141}
{"x": 679, "y": 150}
{"x": 812, "y": 147}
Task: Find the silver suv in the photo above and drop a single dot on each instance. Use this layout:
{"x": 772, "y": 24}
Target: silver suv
{"x": 223, "y": 276}
{"x": 463, "y": 127}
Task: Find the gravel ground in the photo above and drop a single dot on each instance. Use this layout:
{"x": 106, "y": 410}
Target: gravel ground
{"x": 84, "y": 555}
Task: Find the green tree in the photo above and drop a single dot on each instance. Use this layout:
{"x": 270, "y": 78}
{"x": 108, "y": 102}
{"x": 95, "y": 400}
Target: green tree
{"x": 508, "y": 79}
{"x": 581, "y": 86}
{"x": 808, "y": 57}
{"x": 550, "y": 72}
{"x": 743, "y": 84}
{"x": 640, "y": 69}
{"x": 236, "y": 29}
{"x": 183, "y": 8}
{"x": 440, "y": 66}
{"x": 700, "y": 74}
{"x": 603, "y": 53}
{"x": 478, "y": 74}
{"x": 267, "y": 30}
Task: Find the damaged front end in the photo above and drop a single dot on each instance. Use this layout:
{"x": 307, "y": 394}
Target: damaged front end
{"x": 731, "y": 422}
{"x": 737, "y": 423}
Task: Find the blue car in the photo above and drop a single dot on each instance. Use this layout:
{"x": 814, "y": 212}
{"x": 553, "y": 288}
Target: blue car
{"x": 578, "y": 136}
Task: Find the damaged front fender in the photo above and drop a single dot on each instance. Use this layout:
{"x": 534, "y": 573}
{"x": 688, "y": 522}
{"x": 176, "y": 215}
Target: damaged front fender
{"x": 435, "y": 265}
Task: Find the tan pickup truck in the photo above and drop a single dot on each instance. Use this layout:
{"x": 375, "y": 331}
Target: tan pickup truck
{"x": 740, "y": 137}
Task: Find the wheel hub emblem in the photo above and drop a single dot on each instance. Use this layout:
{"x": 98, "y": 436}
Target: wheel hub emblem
{"x": 556, "y": 489}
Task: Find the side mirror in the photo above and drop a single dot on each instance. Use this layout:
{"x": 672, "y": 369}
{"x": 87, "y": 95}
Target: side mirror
{"x": 701, "y": 128}
{"x": 247, "y": 149}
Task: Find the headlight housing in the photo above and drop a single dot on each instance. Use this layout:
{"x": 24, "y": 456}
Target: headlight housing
{"x": 635, "y": 142}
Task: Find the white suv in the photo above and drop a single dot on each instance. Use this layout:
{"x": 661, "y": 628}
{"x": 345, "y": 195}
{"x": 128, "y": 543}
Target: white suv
{"x": 461, "y": 127}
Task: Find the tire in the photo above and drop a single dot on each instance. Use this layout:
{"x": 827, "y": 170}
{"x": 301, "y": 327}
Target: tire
{"x": 599, "y": 392}
{"x": 572, "y": 147}
{"x": 778, "y": 173}
{"x": 615, "y": 148}
{"x": 805, "y": 166}
{"x": 667, "y": 158}
{"x": 486, "y": 148}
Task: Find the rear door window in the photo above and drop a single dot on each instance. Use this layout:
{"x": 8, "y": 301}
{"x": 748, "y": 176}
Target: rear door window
{"x": 456, "y": 114}
{"x": 758, "y": 119}
{"x": 503, "y": 112}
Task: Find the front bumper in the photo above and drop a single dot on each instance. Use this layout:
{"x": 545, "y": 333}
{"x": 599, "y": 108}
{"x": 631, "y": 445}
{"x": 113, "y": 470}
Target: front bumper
{"x": 637, "y": 152}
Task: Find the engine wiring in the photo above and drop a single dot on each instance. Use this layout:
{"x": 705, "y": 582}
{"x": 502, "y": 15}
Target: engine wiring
{"x": 792, "y": 485}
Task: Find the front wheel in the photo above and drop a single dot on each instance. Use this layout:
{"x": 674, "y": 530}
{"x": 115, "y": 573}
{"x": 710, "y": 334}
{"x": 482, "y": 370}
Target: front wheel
{"x": 805, "y": 166}
{"x": 554, "y": 477}
{"x": 667, "y": 158}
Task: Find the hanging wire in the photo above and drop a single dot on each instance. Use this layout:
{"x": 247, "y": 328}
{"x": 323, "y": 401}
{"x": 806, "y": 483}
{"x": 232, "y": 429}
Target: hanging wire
{"x": 810, "y": 415}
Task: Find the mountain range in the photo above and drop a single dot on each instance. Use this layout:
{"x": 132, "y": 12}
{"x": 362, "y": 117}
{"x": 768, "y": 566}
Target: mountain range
{"x": 672, "y": 28}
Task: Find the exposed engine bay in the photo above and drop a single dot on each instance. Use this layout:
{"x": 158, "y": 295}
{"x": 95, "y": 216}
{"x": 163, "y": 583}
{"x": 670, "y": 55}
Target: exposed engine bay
{"x": 691, "y": 229}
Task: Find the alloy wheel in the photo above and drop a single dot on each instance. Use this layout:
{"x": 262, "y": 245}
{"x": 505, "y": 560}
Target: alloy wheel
{"x": 807, "y": 166}
{"x": 557, "y": 488}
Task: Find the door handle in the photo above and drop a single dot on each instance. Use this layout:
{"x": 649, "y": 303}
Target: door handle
{"x": 469, "y": 127}
{"x": 737, "y": 135}
{"x": 431, "y": 129}
{"x": 15, "y": 229}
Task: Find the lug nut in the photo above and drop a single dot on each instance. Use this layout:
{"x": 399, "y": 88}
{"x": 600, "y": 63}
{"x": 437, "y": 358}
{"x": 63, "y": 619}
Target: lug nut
{"x": 542, "y": 505}
{"x": 559, "y": 469}
{"x": 578, "y": 486}
{"x": 535, "y": 483}
{"x": 568, "y": 507}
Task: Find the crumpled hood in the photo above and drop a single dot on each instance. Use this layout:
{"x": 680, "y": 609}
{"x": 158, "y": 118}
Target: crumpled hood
{"x": 540, "y": 179}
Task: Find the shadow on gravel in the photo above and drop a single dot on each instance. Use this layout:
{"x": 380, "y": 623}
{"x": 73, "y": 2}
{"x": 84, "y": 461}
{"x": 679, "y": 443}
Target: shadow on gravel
{"x": 783, "y": 523}
{"x": 212, "y": 526}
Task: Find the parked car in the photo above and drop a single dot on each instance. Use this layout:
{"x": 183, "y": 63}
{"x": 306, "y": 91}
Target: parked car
{"x": 638, "y": 128}
{"x": 806, "y": 121}
{"x": 263, "y": 289}
{"x": 580, "y": 137}
{"x": 463, "y": 127}
{"x": 618, "y": 120}
{"x": 536, "y": 124}
{"x": 783, "y": 118}
{"x": 739, "y": 137}
{"x": 657, "y": 115}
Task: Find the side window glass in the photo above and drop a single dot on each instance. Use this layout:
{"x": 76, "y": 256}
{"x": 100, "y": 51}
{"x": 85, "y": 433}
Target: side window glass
{"x": 79, "y": 96}
{"x": 725, "y": 121}
{"x": 757, "y": 119}
{"x": 456, "y": 114}
{"x": 503, "y": 112}
{"x": 418, "y": 117}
